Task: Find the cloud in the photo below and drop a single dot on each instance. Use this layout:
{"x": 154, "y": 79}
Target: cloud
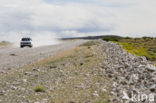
{"x": 73, "y": 17}
{"x": 77, "y": 18}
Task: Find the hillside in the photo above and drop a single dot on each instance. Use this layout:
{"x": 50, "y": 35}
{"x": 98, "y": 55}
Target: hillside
{"x": 94, "y": 72}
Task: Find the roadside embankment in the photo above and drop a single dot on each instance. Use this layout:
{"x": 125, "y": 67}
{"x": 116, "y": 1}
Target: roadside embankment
{"x": 94, "y": 72}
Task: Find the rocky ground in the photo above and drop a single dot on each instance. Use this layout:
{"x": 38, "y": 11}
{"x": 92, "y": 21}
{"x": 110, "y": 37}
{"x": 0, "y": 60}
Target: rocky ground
{"x": 95, "y": 72}
{"x": 130, "y": 74}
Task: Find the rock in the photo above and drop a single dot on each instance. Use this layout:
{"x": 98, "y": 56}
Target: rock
{"x": 103, "y": 90}
{"x": 24, "y": 80}
{"x": 95, "y": 94}
{"x": 38, "y": 70}
{"x": 52, "y": 66}
{"x": 112, "y": 93}
{"x": 151, "y": 68}
{"x": 128, "y": 72}
{"x": 2, "y": 92}
{"x": 13, "y": 87}
{"x": 27, "y": 73}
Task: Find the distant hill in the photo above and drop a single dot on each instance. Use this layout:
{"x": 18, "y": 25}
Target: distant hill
{"x": 89, "y": 37}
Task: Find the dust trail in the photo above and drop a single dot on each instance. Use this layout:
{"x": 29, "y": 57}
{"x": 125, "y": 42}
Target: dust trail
{"x": 38, "y": 38}
{"x": 42, "y": 40}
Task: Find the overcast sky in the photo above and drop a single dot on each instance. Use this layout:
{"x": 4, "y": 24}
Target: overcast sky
{"x": 68, "y": 18}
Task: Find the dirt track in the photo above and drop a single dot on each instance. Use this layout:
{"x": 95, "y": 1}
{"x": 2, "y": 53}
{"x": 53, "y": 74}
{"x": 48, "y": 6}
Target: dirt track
{"x": 14, "y": 57}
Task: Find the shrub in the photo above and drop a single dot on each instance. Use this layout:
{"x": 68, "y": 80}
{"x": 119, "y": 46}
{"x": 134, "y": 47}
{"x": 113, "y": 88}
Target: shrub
{"x": 147, "y": 37}
{"x": 39, "y": 89}
{"x": 112, "y": 38}
{"x": 127, "y": 37}
{"x": 81, "y": 63}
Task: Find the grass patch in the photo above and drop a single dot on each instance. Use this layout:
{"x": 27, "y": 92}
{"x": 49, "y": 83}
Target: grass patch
{"x": 39, "y": 89}
{"x": 140, "y": 51}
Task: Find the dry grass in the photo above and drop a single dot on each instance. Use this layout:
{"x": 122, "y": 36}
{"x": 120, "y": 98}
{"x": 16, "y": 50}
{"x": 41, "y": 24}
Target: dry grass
{"x": 69, "y": 76}
{"x": 4, "y": 43}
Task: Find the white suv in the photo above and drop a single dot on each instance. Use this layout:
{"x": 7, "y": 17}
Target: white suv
{"x": 26, "y": 42}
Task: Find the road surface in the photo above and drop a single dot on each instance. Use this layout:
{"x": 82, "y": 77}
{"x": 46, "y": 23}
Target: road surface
{"x": 15, "y": 57}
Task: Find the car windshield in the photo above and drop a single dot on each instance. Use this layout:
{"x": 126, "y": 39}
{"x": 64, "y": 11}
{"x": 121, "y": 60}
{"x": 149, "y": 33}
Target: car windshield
{"x": 26, "y": 39}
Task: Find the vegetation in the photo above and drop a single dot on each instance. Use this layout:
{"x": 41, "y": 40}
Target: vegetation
{"x": 70, "y": 76}
{"x": 4, "y": 43}
{"x": 112, "y": 38}
{"x": 90, "y": 43}
{"x": 145, "y": 46}
{"x": 39, "y": 89}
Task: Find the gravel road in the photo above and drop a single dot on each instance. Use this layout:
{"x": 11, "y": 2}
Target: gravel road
{"x": 15, "y": 57}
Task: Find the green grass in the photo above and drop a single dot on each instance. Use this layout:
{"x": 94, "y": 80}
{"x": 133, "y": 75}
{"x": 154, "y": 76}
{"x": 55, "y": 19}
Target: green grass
{"x": 145, "y": 46}
{"x": 140, "y": 51}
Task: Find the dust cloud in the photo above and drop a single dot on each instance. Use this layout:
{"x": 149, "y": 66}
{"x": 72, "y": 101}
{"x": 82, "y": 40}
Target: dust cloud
{"x": 38, "y": 39}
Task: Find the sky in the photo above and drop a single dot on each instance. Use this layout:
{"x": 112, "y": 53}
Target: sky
{"x": 73, "y": 18}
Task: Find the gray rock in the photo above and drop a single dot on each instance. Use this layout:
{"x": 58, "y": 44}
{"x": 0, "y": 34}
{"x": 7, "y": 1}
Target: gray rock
{"x": 129, "y": 72}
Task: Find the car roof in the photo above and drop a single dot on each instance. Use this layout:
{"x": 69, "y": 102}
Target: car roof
{"x": 26, "y": 38}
